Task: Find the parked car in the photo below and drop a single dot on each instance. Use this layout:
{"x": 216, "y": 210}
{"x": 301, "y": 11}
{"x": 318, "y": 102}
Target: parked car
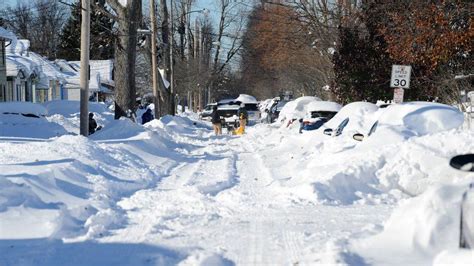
{"x": 351, "y": 119}
{"x": 409, "y": 119}
{"x": 319, "y": 113}
{"x": 275, "y": 109}
{"x": 27, "y": 120}
{"x": 227, "y": 110}
{"x": 251, "y": 105}
{"x": 207, "y": 111}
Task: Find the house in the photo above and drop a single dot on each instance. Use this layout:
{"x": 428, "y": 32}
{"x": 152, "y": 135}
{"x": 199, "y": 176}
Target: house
{"x": 101, "y": 78}
{"x": 4, "y": 37}
{"x": 29, "y": 76}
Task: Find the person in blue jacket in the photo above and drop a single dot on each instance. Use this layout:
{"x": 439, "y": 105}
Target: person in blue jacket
{"x": 147, "y": 116}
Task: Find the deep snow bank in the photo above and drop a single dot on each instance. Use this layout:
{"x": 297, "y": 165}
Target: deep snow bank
{"x": 420, "y": 229}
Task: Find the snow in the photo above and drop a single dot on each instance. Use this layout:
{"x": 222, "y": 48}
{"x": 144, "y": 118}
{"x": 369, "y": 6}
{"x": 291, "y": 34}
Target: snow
{"x": 297, "y": 108}
{"x": 324, "y": 106}
{"x": 6, "y": 34}
{"x": 172, "y": 193}
{"x": 22, "y": 108}
{"x": 422, "y": 117}
{"x": 360, "y": 116}
{"x": 245, "y": 98}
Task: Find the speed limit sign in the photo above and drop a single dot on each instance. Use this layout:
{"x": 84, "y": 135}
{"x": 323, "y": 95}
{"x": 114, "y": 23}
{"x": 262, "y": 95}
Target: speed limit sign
{"x": 400, "y": 76}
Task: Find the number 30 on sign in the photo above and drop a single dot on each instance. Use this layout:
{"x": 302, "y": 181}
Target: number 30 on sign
{"x": 400, "y": 76}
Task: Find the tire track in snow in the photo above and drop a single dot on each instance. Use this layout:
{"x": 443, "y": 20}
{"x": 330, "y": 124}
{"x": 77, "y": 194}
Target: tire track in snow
{"x": 267, "y": 225}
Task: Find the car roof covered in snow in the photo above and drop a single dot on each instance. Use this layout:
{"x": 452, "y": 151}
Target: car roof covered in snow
{"x": 22, "y": 108}
{"x": 324, "y": 106}
{"x": 297, "y": 108}
{"x": 245, "y": 98}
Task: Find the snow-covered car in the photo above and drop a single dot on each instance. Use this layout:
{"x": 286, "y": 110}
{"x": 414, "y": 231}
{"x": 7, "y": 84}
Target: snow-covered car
{"x": 275, "y": 109}
{"x": 408, "y": 119}
{"x": 251, "y": 105}
{"x": 207, "y": 111}
{"x": 296, "y": 109}
{"x": 351, "y": 118}
{"x": 27, "y": 120}
{"x": 227, "y": 110}
{"x": 319, "y": 113}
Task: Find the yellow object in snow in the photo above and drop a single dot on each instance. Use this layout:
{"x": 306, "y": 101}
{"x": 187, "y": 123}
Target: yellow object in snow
{"x": 239, "y": 131}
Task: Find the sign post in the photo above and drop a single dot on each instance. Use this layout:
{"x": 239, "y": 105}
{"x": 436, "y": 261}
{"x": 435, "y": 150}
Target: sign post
{"x": 400, "y": 80}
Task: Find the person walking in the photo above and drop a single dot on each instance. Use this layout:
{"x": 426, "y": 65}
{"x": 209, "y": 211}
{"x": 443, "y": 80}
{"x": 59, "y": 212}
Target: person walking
{"x": 147, "y": 116}
{"x": 92, "y": 124}
{"x": 216, "y": 121}
{"x": 243, "y": 116}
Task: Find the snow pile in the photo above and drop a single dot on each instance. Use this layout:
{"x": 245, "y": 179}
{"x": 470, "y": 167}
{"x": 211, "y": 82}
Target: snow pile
{"x": 67, "y": 114}
{"x": 72, "y": 108}
{"x": 297, "y": 108}
{"x": 121, "y": 129}
{"x": 420, "y": 228}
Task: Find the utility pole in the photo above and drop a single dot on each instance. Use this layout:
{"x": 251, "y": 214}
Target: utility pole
{"x": 172, "y": 100}
{"x": 84, "y": 73}
{"x": 156, "y": 94}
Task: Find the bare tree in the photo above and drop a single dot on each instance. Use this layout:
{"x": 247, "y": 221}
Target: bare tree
{"x": 128, "y": 19}
{"x": 19, "y": 19}
{"x": 50, "y": 17}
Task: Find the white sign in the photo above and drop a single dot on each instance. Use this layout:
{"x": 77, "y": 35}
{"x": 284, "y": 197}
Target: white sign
{"x": 400, "y": 76}
{"x": 398, "y": 95}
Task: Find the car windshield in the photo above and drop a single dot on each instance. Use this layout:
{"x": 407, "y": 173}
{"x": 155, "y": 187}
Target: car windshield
{"x": 251, "y": 107}
{"x": 280, "y": 105}
{"x": 326, "y": 114}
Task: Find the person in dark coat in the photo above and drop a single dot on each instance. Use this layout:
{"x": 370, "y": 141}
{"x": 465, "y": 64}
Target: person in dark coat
{"x": 92, "y": 124}
{"x": 216, "y": 121}
{"x": 147, "y": 116}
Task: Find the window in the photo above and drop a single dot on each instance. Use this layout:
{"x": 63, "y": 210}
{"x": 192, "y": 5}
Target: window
{"x": 2, "y": 51}
{"x": 41, "y": 95}
{"x": 2, "y": 93}
{"x": 251, "y": 107}
{"x": 18, "y": 92}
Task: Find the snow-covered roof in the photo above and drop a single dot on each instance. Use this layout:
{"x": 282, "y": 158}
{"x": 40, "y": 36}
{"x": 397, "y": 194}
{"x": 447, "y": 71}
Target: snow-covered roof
{"x": 17, "y": 63}
{"x": 48, "y": 70}
{"x": 100, "y": 73}
{"x": 6, "y": 34}
{"x": 20, "y": 47}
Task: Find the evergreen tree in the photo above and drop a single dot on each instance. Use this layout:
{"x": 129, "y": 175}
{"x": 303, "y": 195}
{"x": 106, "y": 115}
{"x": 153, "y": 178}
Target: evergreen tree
{"x": 101, "y": 38}
{"x": 361, "y": 64}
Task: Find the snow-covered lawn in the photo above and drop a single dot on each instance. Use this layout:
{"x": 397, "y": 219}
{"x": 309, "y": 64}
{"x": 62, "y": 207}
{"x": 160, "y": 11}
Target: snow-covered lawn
{"x": 171, "y": 192}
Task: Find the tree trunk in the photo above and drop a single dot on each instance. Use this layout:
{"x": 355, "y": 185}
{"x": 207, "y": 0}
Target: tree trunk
{"x": 165, "y": 56}
{"x": 125, "y": 57}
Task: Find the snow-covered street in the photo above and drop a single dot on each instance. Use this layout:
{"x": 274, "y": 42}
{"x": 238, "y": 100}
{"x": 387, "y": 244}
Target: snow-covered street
{"x": 171, "y": 192}
{"x": 225, "y": 201}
